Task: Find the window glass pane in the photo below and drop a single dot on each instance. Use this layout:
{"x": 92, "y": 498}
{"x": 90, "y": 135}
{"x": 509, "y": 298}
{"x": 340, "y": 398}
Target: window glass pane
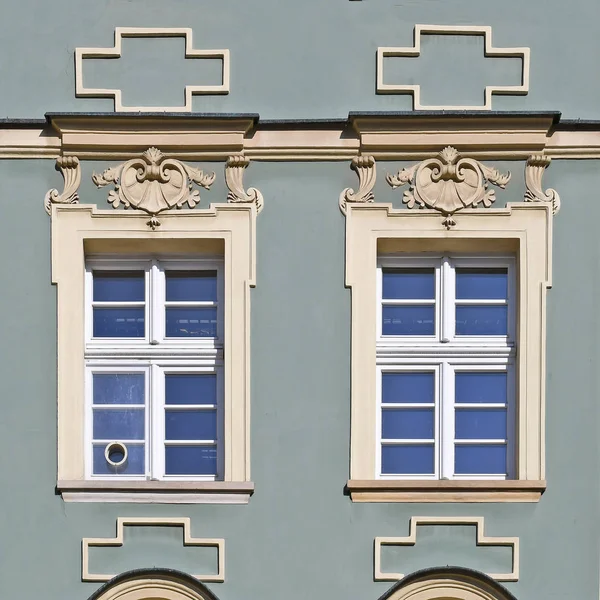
{"x": 191, "y": 322}
{"x": 119, "y": 286}
{"x": 119, "y": 322}
{"x": 119, "y": 424}
{"x": 188, "y": 388}
{"x": 191, "y": 425}
{"x": 408, "y": 320}
{"x": 135, "y": 464}
{"x": 408, "y": 284}
{"x": 481, "y": 424}
{"x": 191, "y": 460}
{"x": 187, "y": 286}
{"x": 480, "y": 386}
{"x": 407, "y": 460}
{"x": 481, "y": 320}
{"x": 480, "y": 460}
{"x": 415, "y": 424}
{"x": 407, "y": 387}
{"x": 481, "y": 284}
{"x": 118, "y": 388}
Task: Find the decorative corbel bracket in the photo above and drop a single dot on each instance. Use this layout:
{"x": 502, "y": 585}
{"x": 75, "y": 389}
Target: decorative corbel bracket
{"x": 71, "y": 172}
{"x": 153, "y": 183}
{"x": 534, "y": 171}
{"x": 234, "y": 175}
{"x": 448, "y": 183}
{"x": 365, "y": 168}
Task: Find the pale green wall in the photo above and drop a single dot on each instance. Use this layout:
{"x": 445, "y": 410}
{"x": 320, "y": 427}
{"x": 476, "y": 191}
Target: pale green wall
{"x": 299, "y": 537}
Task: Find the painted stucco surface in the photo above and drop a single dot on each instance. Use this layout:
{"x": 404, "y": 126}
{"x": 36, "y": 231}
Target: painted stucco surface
{"x": 309, "y": 59}
{"x": 299, "y": 536}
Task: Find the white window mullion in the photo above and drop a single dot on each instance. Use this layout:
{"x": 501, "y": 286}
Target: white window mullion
{"x": 156, "y": 277}
{"x": 447, "y": 428}
{"x": 447, "y": 300}
{"x": 157, "y": 420}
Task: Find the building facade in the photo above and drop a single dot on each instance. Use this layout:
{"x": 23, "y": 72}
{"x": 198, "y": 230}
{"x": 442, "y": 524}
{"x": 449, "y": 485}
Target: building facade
{"x": 299, "y": 299}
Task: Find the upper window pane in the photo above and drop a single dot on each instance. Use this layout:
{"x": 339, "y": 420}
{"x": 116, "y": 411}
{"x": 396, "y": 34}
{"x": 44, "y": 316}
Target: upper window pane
{"x": 482, "y": 319}
{"x": 191, "y": 322}
{"x": 409, "y": 284}
{"x": 481, "y": 284}
{"x": 119, "y": 322}
{"x": 406, "y": 387}
{"x": 408, "y": 320}
{"x": 191, "y": 286}
{"x": 119, "y": 286}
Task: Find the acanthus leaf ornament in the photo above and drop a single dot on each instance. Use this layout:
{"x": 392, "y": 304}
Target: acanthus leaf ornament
{"x": 365, "y": 168}
{"x": 534, "y": 171}
{"x": 234, "y": 175}
{"x": 153, "y": 183}
{"x": 449, "y": 183}
{"x": 71, "y": 171}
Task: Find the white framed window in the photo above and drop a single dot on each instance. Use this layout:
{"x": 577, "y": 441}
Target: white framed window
{"x": 445, "y": 353}
{"x": 154, "y": 368}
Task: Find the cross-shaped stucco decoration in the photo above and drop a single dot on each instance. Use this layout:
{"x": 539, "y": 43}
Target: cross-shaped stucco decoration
{"x": 481, "y": 540}
{"x": 149, "y": 32}
{"x": 188, "y": 540}
{"x": 489, "y": 51}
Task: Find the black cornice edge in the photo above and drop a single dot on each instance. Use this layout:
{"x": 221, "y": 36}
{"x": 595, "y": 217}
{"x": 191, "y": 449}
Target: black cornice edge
{"x": 153, "y": 115}
{"x": 458, "y": 114}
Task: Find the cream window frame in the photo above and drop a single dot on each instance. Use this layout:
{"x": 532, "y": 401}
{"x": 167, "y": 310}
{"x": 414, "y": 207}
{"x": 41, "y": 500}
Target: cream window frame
{"x": 80, "y": 231}
{"x": 521, "y": 229}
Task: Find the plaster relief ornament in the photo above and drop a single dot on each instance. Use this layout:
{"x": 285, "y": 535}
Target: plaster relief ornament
{"x": 234, "y": 175}
{"x": 534, "y": 171}
{"x": 365, "y": 168}
{"x": 71, "y": 172}
{"x": 153, "y": 183}
{"x": 448, "y": 183}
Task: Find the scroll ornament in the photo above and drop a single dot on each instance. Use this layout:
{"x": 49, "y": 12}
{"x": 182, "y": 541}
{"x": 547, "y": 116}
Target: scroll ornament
{"x": 234, "y": 174}
{"x": 365, "y": 168}
{"x": 153, "y": 183}
{"x": 448, "y": 183}
{"x": 534, "y": 171}
{"x": 71, "y": 172}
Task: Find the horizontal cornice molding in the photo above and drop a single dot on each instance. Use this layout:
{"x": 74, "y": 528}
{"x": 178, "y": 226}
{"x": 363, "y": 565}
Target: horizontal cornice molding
{"x": 385, "y": 136}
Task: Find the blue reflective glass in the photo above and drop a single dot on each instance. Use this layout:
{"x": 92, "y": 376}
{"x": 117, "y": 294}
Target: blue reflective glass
{"x": 191, "y": 322}
{"x": 135, "y": 464}
{"x": 480, "y": 386}
{"x": 191, "y": 425}
{"x": 407, "y": 387}
{"x": 118, "y": 388}
{"x": 408, "y": 284}
{"x": 482, "y": 284}
{"x": 407, "y": 460}
{"x": 119, "y": 286}
{"x": 407, "y": 424}
{"x": 188, "y": 286}
{"x": 191, "y": 460}
{"x": 481, "y": 424}
{"x": 119, "y": 322}
{"x": 408, "y": 320}
{"x": 481, "y": 320}
{"x": 119, "y": 424}
{"x": 187, "y": 388}
{"x": 480, "y": 460}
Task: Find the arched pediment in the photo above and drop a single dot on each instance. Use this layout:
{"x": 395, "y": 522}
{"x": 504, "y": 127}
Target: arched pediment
{"x": 153, "y": 584}
{"x": 447, "y": 583}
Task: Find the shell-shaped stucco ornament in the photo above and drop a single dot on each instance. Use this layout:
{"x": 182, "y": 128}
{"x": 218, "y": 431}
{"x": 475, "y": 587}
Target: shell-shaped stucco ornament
{"x": 153, "y": 183}
{"x": 448, "y": 183}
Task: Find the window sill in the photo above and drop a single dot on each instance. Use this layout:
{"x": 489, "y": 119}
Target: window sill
{"x": 444, "y": 491}
{"x": 157, "y": 492}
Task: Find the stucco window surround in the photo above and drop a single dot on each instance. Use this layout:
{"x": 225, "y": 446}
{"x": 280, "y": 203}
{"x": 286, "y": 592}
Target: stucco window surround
{"x": 523, "y": 230}
{"x": 226, "y": 230}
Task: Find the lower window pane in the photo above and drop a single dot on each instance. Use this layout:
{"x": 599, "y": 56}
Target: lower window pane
{"x": 399, "y": 424}
{"x": 191, "y": 322}
{"x": 119, "y": 424}
{"x": 191, "y": 460}
{"x": 408, "y": 386}
{"x": 480, "y": 460}
{"x": 408, "y": 320}
{"x": 191, "y": 425}
{"x": 118, "y": 388}
{"x": 190, "y": 388}
{"x": 482, "y": 424}
{"x": 481, "y": 320}
{"x": 119, "y": 322}
{"x": 134, "y": 465}
{"x": 407, "y": 460}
